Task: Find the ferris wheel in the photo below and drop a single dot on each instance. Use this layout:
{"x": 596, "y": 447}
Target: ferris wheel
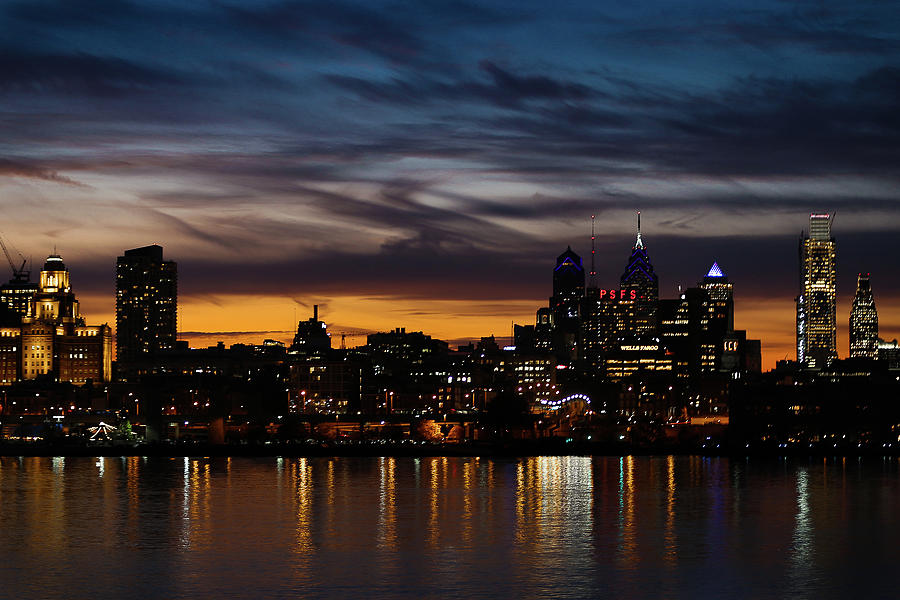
{"x": 101, "y": 431}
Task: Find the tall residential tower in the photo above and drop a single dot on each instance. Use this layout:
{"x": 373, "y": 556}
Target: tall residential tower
{"x": 816, "y": 304}
{"x": 146, "y": 303}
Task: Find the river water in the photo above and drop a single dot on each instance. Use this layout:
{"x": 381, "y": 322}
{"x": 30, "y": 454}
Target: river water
{"x": 548, "y": 527}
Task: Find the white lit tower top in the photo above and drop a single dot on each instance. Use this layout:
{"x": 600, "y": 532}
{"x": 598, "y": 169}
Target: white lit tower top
{"x": 639, "y": 315}
{"x": 54, "y": 301}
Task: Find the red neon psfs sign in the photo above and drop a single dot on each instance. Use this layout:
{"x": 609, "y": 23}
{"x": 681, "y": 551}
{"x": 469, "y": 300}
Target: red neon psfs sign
{"x": 617, "y": 294}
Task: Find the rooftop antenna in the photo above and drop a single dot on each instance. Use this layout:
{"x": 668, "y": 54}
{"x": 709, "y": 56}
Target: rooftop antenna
{"x": 593, "y": 272}
{"x": 639, "y": 243}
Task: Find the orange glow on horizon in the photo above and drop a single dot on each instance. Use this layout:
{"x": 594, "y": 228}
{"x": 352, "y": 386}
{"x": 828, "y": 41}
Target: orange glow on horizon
{"x": 251, "y": 319}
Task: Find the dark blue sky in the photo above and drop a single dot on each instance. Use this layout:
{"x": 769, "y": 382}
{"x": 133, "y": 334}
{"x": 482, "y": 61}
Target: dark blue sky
{"x": 435, "y": 157}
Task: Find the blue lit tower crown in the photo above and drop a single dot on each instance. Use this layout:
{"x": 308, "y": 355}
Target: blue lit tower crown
{"x": 565, "y": 305}
{"x": 568, "y": 285}
{"x": 639, "y": 314}
{"x": 720, "y": 304}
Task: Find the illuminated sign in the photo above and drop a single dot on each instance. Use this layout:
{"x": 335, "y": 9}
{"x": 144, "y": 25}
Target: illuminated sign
{"x": 731, "y": 345}
{"x": 617, "y": 294}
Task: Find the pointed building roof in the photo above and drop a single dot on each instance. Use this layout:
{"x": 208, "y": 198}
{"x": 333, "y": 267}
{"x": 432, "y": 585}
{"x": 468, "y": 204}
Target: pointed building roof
{"x": 639, "y": 267}
{"x": 568, "y": 259}
{"x": 715, "y": 271}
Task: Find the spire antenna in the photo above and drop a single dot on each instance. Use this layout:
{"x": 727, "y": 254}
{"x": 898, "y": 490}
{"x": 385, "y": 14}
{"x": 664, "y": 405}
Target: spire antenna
{"x": 593, "y": 272}
{"x": 639, "y": 243}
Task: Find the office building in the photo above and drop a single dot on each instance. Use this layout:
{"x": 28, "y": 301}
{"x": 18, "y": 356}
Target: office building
{"x": 146, "y": 304}
{"x": 568, "y": 287}
{"x": 566, "y": 305}
{"x": 698, "y": 329}
{"x": 816, "y": 303}
{"x": 52, "y": 342}
{"x": 15, "y": 298}
{"x": 863, "y": 321}
{"x": 600, "y": 325}
{"x": 888, "y": 353}
{"x": 312, "y": 336}
{"x": 16, "y": 294}
{"x": 720, "y": 304}
{"x": 640, "y": 292}
{"x": 543, "y": 329}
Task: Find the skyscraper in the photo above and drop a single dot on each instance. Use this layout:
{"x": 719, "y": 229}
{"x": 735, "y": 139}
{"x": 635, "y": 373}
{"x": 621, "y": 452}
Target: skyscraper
{"x": 720, "y": 306}
{"x": 568, "y": 286}
{"x": 638, "y": 310}
{"x": 863, "y": 321}
{"x": 146, "y": 303}
{"x": 816, "y": 304}
{"x": 566, "y": 304}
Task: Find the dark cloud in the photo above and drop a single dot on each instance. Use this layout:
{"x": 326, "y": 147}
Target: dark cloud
{"x": 24, "y": 72}
{"x": 511, "y": 85}
{"x": 753, "y": 125}
{"x": 834, "y": 28}
{"x": 503, "y": 88}
{"x": 68, "y": 14}
{"x": 28, "y": 169}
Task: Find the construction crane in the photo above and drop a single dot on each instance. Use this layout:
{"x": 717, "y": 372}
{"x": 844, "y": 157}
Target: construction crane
{"x": 20, "y": 273}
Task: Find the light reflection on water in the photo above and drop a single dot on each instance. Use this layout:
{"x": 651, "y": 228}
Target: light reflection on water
{"x": 629, "y": 527}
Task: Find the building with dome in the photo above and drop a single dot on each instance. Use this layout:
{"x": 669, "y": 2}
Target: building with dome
{"x": 52, "y": 342}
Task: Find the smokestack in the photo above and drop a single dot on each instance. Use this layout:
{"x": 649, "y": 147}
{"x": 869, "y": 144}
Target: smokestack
{"x": 315, "y": 312}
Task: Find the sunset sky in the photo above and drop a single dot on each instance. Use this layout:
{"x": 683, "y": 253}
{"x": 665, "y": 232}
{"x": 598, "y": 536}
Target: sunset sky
{"x": 422, "y": 164}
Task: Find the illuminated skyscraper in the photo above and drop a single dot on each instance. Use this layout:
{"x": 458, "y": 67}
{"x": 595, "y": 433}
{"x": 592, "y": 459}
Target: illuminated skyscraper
{"x": 146, "y": 303}
{"x": 566, "y": 304}
{"x": 720, "y": 306}
{"x": 863, "y": 320}
{"x": 52, "y": 342}
{"x": 568, "y": 287}
{"x": 816, "y": 304}
{"x": 638, "y": 310}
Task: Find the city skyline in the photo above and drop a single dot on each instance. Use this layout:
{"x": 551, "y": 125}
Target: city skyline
{"x": 422, "y": 167}
{"x": 567, "y": 258}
